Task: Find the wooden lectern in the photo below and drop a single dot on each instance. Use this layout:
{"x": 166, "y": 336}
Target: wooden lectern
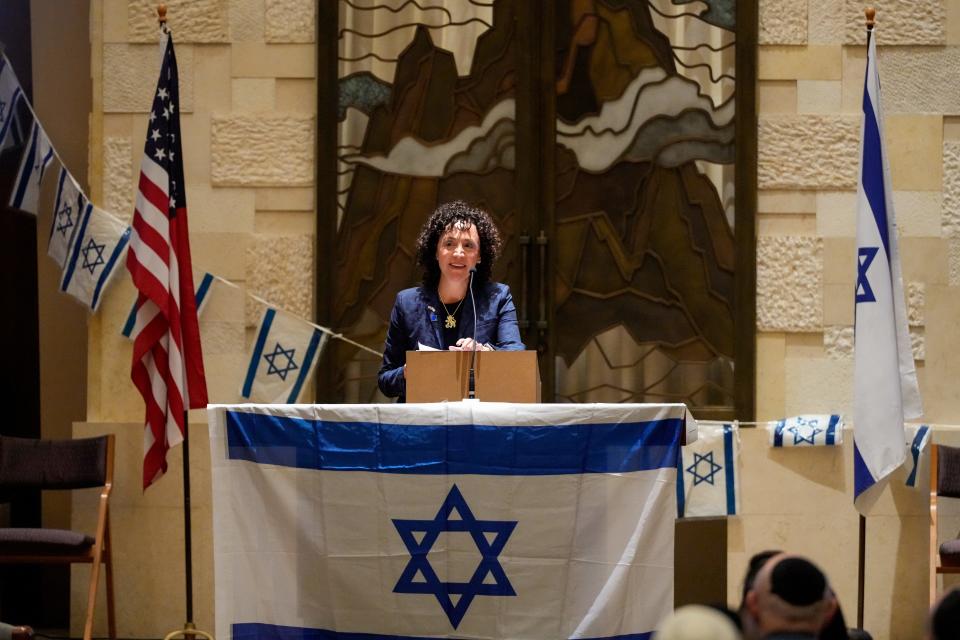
{"x": 500, "y": 376}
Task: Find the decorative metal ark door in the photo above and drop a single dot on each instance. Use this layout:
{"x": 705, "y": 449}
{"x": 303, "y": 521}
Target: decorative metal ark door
{"x": 643, "y": 235}
{"x": 601, "y": 136}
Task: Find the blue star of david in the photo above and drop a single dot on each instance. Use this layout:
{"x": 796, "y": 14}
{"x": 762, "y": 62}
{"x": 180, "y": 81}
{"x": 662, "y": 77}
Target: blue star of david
{"x": 64, "y": 219}
{"x": 712, "y": 468}
{"x": 271, "y": 358}
{"x": 865, "y": 256}
{"x": 419, "y": 565}
{"x": 798, "y": 436}
{"x": 88, "y": 251}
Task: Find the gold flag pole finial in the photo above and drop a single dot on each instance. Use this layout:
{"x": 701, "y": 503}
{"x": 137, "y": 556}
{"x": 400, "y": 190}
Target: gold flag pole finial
{"x": 871, "y": 14}
{"x": 162, "y": 15}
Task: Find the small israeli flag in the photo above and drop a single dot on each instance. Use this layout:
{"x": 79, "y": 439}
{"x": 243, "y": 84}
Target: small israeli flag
{"x": 707, "y": 480}
{"x": 807, "y": 431}
{"x": 10, "y": 97}
{"x": 283, "y": 357}
{"x": 918, "y": 458}
{"x": 68, "y": 206}
{"x": 33, "y": 168}
{"x": 97, "y": 246}
{"x": 201, "y": 297}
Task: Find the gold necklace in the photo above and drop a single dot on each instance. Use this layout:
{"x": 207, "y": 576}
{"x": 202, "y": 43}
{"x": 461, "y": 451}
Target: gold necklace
{"x": 451, "y": 322}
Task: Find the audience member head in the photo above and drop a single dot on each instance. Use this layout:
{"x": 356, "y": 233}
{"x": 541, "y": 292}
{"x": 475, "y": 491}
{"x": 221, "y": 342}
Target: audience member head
{"x": 789, "y": 594}
{"x": 756, "y": 561}
{"x": 697, "y": 622}
{"x": 944, "y": 619}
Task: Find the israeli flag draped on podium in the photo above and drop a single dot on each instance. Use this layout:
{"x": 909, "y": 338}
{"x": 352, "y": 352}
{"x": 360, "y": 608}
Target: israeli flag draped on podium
{"x": 443, "y": 520}
{"x": 885, "y": 380}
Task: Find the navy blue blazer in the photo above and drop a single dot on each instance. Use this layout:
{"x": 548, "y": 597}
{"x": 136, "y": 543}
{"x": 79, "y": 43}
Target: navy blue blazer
{"x": 418, "y": 317}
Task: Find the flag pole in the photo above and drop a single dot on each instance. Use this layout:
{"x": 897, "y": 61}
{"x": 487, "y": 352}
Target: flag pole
{"x": 189, "y": 630}
{"x": 870, "y": 13}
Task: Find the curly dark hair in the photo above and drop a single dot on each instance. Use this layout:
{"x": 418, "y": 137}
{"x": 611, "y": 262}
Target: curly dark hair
{"x": 442, "y": 218}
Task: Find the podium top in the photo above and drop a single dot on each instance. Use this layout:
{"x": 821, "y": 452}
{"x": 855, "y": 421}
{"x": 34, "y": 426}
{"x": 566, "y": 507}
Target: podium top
{"x": 500, "y": 376}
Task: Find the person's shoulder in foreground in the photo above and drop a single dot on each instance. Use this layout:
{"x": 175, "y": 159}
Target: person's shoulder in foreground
{"x": 697, "y": 622}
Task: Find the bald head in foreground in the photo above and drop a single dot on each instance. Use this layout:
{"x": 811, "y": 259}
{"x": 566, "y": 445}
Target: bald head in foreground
{"x": 790, "y": 597}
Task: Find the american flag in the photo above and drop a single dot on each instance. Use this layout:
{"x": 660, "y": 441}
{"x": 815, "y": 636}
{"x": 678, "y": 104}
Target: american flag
{"x": 167, "y": 361}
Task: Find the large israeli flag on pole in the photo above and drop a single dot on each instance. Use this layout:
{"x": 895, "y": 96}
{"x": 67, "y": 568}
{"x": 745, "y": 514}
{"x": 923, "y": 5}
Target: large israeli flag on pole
{"x": 445, "y": 520}
{"x": 885, "y": 380}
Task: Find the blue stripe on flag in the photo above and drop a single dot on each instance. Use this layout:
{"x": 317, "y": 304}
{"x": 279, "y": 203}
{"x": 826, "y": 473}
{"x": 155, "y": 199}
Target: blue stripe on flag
{"x": 832, "y": 430}
{"x": 305, "y": 367}
{"x": 728, "y": 469}
{"x": 108, "y": 268}
{"x": 131, "y": 319}
{"x": 72, "y": 261}
{"x": 873, "y": 168}
{"x": 257, "y": 352}
{"x": 862, "y": 478}
{"x": 11, "y": 112}
{"x": 915, "y": 452}
{"x": 56, "y": 205}
{"x": 778, "y": 434}
{"x": 26, "y": 170}
{"x": 681, "y": 491}
{"x": 453, "y": 449}
{"x": 260, "y": 631}
{"x": 202, "y": 290}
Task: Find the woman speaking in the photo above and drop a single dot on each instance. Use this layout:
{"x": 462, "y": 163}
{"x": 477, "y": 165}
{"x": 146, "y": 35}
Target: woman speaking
{"x": 457, "y": 240}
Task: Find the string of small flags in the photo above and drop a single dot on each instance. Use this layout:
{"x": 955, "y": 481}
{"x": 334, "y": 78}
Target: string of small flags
{"x": 88, "y": 243}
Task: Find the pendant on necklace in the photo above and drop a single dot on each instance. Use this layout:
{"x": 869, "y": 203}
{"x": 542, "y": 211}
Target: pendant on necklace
{"x": 451, "y": 322}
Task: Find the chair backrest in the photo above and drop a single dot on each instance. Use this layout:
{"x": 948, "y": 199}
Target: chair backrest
{"x": 26, "y": 463}
{"x": 948, "y": 471}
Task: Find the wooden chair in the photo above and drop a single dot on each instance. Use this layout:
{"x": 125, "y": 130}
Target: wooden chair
{"x": 944, "y": 482}
{"x": 61, "y": 464}
{"x": 9, "y": 632}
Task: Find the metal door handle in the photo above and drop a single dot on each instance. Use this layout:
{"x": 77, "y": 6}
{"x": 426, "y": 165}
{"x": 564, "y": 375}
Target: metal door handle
{"x": 542, "y": 242}
{"x": 524, "y": 319}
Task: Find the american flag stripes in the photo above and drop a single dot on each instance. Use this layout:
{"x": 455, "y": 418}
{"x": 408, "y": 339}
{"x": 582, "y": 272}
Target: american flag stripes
{"x": 167, "y": 360}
